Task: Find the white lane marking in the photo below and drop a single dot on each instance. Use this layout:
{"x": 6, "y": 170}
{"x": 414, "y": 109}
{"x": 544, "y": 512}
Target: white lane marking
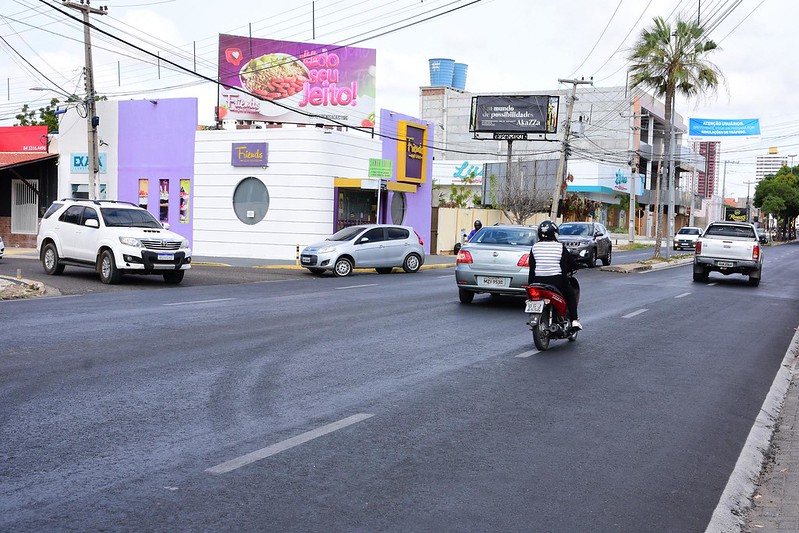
{"x": 272, "y": 280}
{"x": 635, "y": 313}
{"x": 527, "y": 354}
{"x": 202, "y": 301}
{"x": 713, "y": 284}
{"x": 263, "y": 453}
{"x": 356, "y": 286}
{"x": 683, "y": 295}
{"x": 447, "y": 276}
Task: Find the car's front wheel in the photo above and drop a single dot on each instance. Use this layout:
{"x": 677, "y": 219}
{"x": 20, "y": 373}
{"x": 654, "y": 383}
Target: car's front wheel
{"x": 109, "y": 273}
{"x": 606, "y": 260}
{"x": 412, "y": 263}
{"x": 50, "y": 261}
{"x": 173, "y": 277}
{"x": 591, "y": 261}
{"x": 343, "y": 267}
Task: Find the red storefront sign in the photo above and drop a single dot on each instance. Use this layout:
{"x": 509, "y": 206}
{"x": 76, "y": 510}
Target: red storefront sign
{"x": 23, "y": 138}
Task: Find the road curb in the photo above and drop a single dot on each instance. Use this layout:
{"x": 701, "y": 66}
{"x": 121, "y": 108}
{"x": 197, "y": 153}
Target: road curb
{"x": 630, "y": 268}
{"x": 15, "y": 289}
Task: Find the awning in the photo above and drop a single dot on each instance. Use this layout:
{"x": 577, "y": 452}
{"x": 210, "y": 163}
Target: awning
{"x": 16, "y": 159}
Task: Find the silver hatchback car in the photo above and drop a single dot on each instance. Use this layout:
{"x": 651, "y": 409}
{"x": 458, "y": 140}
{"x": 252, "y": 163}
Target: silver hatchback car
{"x": 496, "y": 261}
{"x": 378, "y": 246}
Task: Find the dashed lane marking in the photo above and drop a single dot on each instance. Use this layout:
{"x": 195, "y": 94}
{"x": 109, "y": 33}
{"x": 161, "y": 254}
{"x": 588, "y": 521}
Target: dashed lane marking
{"x": 356, "y": 286}
{"x": 202, "y": 301}
{"x": 263, "y": 453}
{"x": 683, "y": 295}
{"x": 527, "y": 353}
{"x": 635, "y": 313}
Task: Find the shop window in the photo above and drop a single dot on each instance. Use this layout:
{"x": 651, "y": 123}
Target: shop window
{"x": 398, "y": 207}
{"x": 144, "y": 193}
{"x": 163, "y": 201}
{"x": 251, "y": 200}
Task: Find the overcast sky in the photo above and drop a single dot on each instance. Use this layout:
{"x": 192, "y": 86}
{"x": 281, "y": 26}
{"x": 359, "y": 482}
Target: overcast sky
{"x": 509, "y": 45}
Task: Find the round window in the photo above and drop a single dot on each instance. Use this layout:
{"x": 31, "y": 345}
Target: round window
{"x": 251, "y": 200}
{"x": 398, "y": 207}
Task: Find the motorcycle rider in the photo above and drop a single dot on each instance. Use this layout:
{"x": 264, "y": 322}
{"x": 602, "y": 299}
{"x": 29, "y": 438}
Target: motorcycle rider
{"x": 477, "y": 226}
{"x": 549, "y": 264}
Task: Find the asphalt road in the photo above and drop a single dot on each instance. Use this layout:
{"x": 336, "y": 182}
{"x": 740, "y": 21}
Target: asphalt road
{"x": 379, "y": 403}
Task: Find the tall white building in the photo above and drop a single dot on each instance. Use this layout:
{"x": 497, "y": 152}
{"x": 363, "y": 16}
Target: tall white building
{"x": 769, "y": 164}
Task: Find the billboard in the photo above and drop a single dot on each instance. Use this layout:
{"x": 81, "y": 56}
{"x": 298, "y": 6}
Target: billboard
{"x": 23, "y": 139}
{"x": 521, "y": 114}
{"x": 712, "y": 129}
{"x": 286, "y": 81}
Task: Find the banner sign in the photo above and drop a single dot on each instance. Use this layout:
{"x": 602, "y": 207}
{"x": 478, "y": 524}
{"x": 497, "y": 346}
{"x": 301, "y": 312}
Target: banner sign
{"x": 23, "y": 139}
{"x": 380, "y": 168}
{"x": 79, "y": 163}
{"x": 514, "y": 114}
{"x": 713, "y": 128}
{"x": 248, "y": 154}
{"x": 286, "y": 81}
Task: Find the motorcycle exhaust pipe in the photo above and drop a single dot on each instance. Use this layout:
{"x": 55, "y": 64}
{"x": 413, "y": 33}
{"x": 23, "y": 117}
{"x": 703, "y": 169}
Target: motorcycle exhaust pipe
{"x": 554, "y": 328}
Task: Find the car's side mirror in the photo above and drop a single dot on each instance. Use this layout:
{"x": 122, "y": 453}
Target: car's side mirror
{"x": 362, "y": 240}
{"x": 92, "y": 223}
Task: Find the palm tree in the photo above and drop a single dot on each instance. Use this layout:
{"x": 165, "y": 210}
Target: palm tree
{"x": 671, "y": 60}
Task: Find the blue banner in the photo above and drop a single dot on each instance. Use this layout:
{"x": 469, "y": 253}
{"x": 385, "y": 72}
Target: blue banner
{"x": 714, "y": 127}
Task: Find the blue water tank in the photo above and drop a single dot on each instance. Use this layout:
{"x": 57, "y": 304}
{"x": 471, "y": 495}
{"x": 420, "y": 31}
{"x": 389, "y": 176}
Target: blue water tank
{"x": 459, "y": 76}
{"x": 441, "y": 72}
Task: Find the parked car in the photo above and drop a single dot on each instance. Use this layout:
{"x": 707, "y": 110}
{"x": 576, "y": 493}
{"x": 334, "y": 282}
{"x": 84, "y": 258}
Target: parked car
{"x": 378, "y": 246}
{"x": 686, "y": 237}
{"x": 112, "y": 238}
{"x": 2, "y": 248}
{"x": 495, "y": 261}
{"x": 587, "y": 241}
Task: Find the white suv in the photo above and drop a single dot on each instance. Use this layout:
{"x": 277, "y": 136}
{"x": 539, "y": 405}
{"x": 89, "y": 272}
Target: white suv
{"x": 112, "y": 238}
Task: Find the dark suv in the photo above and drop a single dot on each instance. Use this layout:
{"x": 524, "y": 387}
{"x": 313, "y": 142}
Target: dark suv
{"x": 587, "y": 241}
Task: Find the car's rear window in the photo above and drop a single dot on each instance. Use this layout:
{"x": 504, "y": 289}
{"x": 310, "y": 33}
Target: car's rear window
{"x": 509, "y": 236}
{"x": 721, "y": 230}
{"x": 55, "y": 206}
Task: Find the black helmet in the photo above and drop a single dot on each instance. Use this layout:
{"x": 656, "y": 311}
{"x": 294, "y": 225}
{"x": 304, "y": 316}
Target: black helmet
{"x": 547, "y": 231}
{"x": 478, "y": 224}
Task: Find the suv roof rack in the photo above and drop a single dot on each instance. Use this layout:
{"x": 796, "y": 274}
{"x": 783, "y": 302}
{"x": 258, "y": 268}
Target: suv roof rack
{"x": 97, "y": 202}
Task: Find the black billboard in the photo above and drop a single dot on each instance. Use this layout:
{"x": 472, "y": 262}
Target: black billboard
{"x": 736, "y": 214}
{"x": 535, "y": 113}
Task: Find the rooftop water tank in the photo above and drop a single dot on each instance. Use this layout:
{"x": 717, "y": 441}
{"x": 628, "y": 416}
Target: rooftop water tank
{"x": 441, "y": 72}
{"x": 459, "y": 76}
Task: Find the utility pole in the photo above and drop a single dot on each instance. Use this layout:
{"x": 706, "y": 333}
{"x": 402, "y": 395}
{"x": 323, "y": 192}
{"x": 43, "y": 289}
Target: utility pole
{"x": 748, "y": 207}
{"x": 92, "y": 120}
{"x": 633, "y": 176}
{"x": 560, "y": 178}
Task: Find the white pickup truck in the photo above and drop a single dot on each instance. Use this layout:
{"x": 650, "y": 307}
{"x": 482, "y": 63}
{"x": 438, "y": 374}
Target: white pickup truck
{"x": 729, "y": 248}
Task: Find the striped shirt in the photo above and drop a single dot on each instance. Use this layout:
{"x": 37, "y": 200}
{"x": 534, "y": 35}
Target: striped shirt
{"x": 547, "y": 256}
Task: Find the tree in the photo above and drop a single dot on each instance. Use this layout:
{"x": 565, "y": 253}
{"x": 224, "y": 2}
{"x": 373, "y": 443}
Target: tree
{"x": 576, "y": 207}
{"x": 673, "y": 60}
{"x": 521, "y": 197}
{"x": 778, "y": 195}
{"x": 45, "y": 116}
{"x": 461, "y": 196}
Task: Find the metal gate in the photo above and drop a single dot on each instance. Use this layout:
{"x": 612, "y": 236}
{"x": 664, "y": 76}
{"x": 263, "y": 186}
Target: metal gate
{"x": 24, "y": 206}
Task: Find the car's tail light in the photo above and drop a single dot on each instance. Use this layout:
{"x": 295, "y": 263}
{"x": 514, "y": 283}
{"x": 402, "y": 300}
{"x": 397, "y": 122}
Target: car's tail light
{"x": 421, "y": 242}
{"x": 755, "y": 252}
{"x": 464, "y": 257}
{"x": 524, "y": 261}
{"x": 533, "y": 293}
{"x": 698, "y": 247}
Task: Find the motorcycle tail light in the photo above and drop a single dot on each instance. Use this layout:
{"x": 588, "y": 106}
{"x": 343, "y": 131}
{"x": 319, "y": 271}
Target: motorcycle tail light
{"x": 464, "y": 257}
{"x": 698, "y": 247}
{"x": 524, "y": 261}
{"x": 533, "y": 293}
{"x": 756, "y": 252}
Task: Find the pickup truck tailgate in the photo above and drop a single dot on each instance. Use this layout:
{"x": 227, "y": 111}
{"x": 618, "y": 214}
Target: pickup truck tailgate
{"x": 728, "y": 248}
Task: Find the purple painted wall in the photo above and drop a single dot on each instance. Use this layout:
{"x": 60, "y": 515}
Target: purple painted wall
{"x": 419, "y": 209}
{"x": 156, "y": 142}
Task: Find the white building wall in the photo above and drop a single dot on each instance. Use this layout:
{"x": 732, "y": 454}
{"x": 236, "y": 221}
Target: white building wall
{"x": 302, "y": 164}
{"x": 73, "y": 139}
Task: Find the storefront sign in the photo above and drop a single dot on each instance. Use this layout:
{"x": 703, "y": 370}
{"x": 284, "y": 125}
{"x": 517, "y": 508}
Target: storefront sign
{"x": 248, "y": 154}
{"x": 411, "y": 152}
{"x": 736, "y": 214}
{"x": 286, "y": 81}
{"x": 23, "y": 139}
{"x": 380, "y": 168}
{"x": 79, "y": 163}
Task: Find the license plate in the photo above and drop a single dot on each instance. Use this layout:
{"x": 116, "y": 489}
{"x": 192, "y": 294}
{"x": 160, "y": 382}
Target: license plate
{"x": 166, "y": 257}
{"x": 533, "y": 306}
{"x": 306, "y": 259}
{"x": 725, "y": 264}
{"x": 491, "y": 281}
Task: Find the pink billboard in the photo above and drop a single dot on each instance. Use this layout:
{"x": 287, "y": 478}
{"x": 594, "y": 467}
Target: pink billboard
{"x": 286, "y": 81}
{"x": 23, "y": 139}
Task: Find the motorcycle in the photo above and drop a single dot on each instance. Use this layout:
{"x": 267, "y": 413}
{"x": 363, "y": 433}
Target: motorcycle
{"x": 549, "y": 315}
